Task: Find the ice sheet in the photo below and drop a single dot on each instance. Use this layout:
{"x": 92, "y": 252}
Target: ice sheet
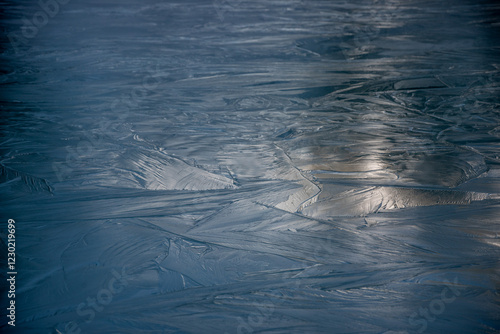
{"x": 252, "y": 166}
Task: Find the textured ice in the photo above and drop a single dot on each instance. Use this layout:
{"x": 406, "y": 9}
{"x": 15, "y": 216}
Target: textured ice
{"x": 158, "y": 171}
{"x": 13, "y": 179}
{"x": 348, "y": 201}
{"x": 252, "y": 166}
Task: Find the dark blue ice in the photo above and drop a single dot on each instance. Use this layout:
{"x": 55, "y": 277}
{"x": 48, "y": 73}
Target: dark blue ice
{"x": 234, "y": 166}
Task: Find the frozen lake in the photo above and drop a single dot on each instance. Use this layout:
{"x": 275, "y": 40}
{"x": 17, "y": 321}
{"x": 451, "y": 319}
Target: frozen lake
{"x": 235, "y": 166}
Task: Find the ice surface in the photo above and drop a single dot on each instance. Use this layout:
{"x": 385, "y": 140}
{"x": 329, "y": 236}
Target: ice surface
{"x": 252, "y": 166}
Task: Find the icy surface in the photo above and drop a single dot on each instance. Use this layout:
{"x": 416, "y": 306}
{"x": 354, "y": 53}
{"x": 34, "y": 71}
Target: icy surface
{"x": 252, "y": 166}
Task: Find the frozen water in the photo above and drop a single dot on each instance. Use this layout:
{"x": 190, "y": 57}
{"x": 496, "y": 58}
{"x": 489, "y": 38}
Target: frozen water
{"x": 252, "y": 166}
